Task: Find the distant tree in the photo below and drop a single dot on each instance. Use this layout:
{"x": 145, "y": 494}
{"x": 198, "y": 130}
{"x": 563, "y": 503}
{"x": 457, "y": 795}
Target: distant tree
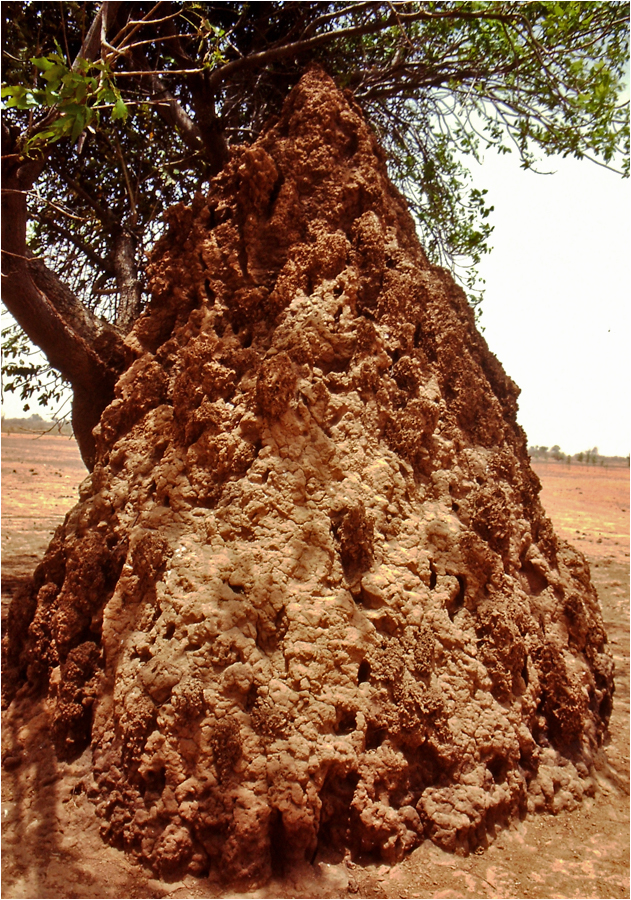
{"x": 114, "y": 111}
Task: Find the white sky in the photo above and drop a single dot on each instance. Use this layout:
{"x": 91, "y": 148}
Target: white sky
{"x": 556, "y": 309}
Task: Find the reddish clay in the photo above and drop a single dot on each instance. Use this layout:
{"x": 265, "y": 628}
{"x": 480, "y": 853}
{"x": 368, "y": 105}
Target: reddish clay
{"x": 310, "y": 599}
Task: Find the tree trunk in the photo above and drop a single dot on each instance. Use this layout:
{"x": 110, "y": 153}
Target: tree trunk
{"x": 48, "y": 312}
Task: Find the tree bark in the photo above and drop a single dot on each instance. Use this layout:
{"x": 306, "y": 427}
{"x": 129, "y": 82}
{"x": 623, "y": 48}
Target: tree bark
{"x": 209, "y": 124}
{"x": 101, "y": 24}
{"x": 77, "y": 316}
{"x": 127, "y": 281}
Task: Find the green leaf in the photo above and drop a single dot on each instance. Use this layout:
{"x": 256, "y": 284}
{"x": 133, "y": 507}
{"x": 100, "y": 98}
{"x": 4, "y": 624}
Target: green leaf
{"x": 81, "y": 91}
{"x": 51, "y": 135}
{"x": 18, "y": 97}
{"x": 54, "y": 73}
{"x": 107, "y": 94}
{"x": 42, "y": 63}
{"x": 120, "y": 110}
{"x": 79, "y": 124}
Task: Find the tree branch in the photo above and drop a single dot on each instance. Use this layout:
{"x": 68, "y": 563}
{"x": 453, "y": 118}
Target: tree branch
{"x": 92, "y": 44}
{"x": 169, "y": 108}
{"x": 89, "y": 252}
{"x": 129, "y": 288}
{"x": 336, "y": 14}
{"x": 75, "y": 315}
{"x": 205, "y": 135}
{"x": 221, "y": 74}
{"x": 104, "y": 215}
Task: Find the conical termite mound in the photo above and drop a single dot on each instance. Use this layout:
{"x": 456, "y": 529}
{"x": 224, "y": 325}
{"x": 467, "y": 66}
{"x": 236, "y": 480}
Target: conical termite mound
{"x": 309, "y": 600}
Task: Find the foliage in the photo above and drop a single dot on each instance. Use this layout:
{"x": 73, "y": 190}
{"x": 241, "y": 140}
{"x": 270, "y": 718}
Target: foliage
{"x": 78, "y": 95}
{"x": 146, "y": 120}
{"x": 23, "y": 372}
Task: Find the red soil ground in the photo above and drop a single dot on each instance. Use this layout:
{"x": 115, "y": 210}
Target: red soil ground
{"x": 51, "y": 843}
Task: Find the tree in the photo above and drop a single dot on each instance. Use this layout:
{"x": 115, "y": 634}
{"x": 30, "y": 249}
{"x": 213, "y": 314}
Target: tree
{"x": 116, "y": 111}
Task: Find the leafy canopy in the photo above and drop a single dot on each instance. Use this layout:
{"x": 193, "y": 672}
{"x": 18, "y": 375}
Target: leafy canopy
{"x": 142, "y": 115}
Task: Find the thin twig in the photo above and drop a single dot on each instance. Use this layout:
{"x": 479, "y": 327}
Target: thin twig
{"x": 21, "y": 256}
{"x": 59, "y": 209}
{"x": 130, "y": 193}
{"x": 158, "y": 72}
{"x": 337, "y": 14}
{"x": 63, "y": 26}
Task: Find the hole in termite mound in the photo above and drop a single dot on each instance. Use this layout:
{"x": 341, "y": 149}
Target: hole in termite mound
{"x": 498, "y": 767}
{"x": 524, "y": 672}
{"x": 375, "y": 736}
{"x": 237, "y": 588}
{"x": 363, "y": 673}
{"x": 277, "y": 844}
{"x": 537, "y": 582}
{"x": 426, "y": 769}
{"x": 335, "y": 833}
{"x": 245, "y": 337}
{"x": 154, "y": 784}
{"x": 347, "y": 722}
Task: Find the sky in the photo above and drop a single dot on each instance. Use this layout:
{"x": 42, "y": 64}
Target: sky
{"x": 556, "y": 307}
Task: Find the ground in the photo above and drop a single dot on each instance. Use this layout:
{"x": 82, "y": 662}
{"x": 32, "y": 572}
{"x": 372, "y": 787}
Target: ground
{"x": 51, "y": 843}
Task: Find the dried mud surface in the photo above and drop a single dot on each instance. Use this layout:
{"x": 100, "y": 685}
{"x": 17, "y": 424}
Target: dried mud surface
{"x": 51, "y": 841}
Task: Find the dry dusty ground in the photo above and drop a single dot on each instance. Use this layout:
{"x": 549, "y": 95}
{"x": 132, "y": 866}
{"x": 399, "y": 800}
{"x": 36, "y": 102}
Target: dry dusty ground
{"x": 51, "y": 844}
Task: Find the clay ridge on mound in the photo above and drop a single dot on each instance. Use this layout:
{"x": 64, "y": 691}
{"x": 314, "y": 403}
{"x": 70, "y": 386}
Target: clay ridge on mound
{"x": 309, "y": 599}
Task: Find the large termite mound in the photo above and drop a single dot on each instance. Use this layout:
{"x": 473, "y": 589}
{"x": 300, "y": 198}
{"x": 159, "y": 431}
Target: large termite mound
{"x": 309, "y": 600}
